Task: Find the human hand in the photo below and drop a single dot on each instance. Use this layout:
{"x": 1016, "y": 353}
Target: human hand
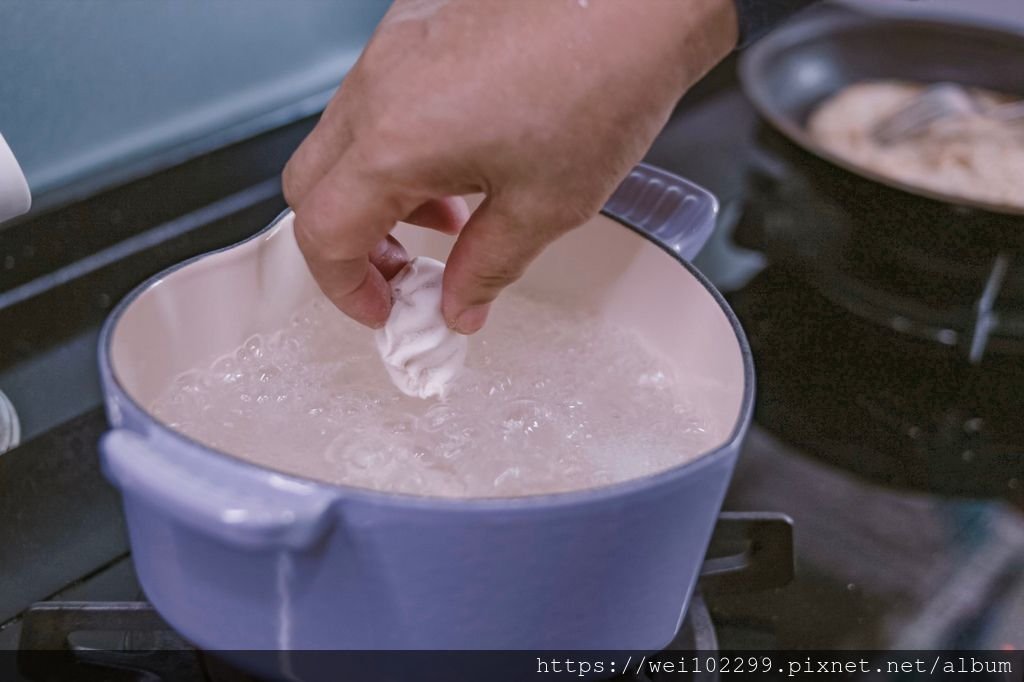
{"x": 541, "y": 105}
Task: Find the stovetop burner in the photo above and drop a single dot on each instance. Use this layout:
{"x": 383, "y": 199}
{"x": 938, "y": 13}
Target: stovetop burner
{"x": 883, "y": 405}
{"x": 140, "y": 645}
{"x": 946, "y": 274}
{"x": 887, "y": 330}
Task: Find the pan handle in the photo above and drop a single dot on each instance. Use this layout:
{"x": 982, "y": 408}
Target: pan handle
{"x": 667, "y": 208}
{"x": 749, "y": 551}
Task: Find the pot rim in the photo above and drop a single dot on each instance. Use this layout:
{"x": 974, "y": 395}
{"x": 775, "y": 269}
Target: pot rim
{"x": 112, "y": 385}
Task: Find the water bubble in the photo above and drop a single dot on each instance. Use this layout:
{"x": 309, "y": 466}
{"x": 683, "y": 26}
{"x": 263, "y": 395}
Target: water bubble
{"x": 437, "y": 417}
{"x": 404, "y": 423}
{"x": 313, "y": 399}
{"x": 254, "y": 346}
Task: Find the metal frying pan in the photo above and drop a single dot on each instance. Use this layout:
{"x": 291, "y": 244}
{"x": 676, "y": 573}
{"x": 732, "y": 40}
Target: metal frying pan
{"x": 787, "y": 74}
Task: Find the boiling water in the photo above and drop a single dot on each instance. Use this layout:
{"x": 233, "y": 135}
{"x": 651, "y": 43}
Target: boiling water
{"x": 550, "y": 400}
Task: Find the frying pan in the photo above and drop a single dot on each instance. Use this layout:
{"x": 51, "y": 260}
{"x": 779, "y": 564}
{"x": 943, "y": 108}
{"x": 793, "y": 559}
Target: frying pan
{"x": 789, "y": 73}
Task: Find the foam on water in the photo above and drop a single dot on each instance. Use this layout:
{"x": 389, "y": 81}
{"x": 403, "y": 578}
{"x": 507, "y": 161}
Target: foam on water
{"x": 550, "y": 400}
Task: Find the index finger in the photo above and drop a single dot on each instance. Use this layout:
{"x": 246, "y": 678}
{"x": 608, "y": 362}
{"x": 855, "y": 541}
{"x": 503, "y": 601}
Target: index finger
{"x": 337, "y": 224}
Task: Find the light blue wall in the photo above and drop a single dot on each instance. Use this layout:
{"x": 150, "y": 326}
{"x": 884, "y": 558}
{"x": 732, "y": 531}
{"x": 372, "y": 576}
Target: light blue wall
{"x": 88, "y": 85}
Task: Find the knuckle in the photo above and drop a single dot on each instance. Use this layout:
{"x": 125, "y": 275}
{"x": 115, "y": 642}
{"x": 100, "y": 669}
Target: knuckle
{"x": 387, "y": 153}
{"x": 494, "y": 279}
{"x": 307, "y": 235}
{"x": 323, "y": 241}
{"x": 290, "y": 182}
{"x": 317, "y": 234}
{"x": 491, "y": 277}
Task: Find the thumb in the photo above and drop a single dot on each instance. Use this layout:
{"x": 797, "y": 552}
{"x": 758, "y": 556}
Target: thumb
{"x": 492, "y": 251}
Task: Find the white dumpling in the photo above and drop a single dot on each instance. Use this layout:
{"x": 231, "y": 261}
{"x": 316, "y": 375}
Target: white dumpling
{"x": 422, "y": 354}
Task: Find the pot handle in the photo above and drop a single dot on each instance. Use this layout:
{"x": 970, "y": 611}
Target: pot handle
{"x": 238, "y": 504}
{"x": 671, "y": 210}
{"x": 749, "y": 551}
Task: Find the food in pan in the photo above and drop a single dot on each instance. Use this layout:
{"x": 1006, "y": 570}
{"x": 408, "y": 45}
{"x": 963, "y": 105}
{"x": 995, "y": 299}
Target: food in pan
{"x": 970, "y": 156}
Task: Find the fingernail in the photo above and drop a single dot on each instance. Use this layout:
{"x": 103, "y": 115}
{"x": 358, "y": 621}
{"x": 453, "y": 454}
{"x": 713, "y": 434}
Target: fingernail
{"x": 472, "y": 319}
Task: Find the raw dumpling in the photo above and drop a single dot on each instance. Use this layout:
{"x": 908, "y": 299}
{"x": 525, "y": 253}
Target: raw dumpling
{"x": 421, "y": 353}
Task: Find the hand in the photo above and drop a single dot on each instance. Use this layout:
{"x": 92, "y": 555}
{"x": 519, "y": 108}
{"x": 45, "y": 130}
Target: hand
{"x": 541, "y": 105}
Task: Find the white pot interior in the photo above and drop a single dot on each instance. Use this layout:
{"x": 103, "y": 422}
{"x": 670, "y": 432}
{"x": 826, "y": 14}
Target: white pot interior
{"x": 198, "y": 312}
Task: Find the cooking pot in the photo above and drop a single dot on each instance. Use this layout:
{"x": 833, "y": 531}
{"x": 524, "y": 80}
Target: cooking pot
{"x": 237, "y": 556}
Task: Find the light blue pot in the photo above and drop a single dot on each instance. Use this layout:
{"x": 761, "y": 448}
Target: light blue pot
{"x": 235, "y": 556}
